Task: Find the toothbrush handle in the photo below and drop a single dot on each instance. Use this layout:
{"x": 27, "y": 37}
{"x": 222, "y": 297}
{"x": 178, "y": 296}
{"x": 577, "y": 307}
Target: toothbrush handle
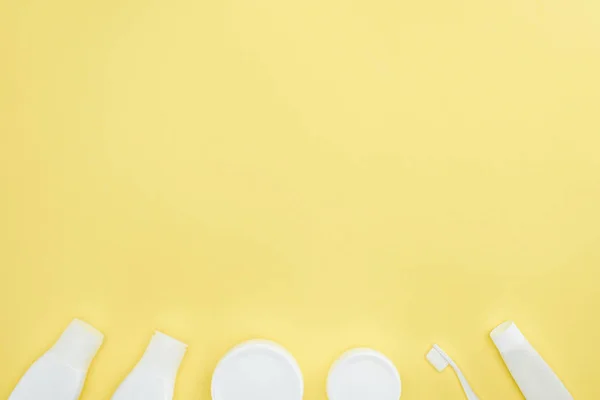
{"x": 463, "y": 381}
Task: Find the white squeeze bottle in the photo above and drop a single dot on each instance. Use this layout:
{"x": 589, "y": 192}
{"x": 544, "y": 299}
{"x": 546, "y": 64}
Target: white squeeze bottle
{"x": 534, "y": 377}
{"x": 153, "y": 378}
{"x": 60, "y": 373}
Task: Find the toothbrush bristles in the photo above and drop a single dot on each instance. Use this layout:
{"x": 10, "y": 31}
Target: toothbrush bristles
{"x": 436, "y": 360}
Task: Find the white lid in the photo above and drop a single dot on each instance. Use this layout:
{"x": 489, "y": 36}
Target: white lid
{"x": 78, "y": 344}
{"x": 257, "y": 370}
{"x": 363, "y": 374}
{"x": 164, "y": 355}
{"x": 507, "y": 336}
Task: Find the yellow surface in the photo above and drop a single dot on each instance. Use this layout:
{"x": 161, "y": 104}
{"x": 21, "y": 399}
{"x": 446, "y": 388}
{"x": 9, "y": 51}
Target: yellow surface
{"x": 324, "y": 173}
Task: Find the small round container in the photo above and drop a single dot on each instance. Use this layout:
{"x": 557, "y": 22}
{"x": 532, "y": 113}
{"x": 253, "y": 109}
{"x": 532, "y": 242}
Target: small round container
{"x": 257, "y": 370}
{"x": 363, "y": 374}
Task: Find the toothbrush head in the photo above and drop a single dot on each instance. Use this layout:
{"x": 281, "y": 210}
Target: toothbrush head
{"x": 437, "y": 360}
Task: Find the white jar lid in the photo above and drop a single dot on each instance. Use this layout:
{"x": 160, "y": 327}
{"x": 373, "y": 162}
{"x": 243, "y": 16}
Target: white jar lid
{"x": 257, "y": 370}
{"x": 363, "y": 374}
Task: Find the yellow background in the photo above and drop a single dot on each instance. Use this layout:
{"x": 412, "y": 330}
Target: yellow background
{"x": 323, "y": 173}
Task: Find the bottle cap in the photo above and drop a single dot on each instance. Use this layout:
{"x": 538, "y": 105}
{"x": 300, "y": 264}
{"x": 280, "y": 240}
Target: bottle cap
{"x": 363, "y": 374}
{"x": 78, "y": 344}
{"x": 507, "y": 336}
{"x": 257, "y": 370}
{"x": 164, "y": 355}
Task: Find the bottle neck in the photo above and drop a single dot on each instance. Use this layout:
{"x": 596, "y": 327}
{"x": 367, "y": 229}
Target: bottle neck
{"x": 164, "y": 355}
{"x": 78, "y": 345}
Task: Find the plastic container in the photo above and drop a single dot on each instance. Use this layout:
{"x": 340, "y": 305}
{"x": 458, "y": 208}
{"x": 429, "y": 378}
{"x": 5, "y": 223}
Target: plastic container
{"x": 534, "y": 377}
{"x": 60, "y": 373}
{"x": 363, "y": 374}
{"x": 258, "y": 370}
{"x": 153, "y": 378}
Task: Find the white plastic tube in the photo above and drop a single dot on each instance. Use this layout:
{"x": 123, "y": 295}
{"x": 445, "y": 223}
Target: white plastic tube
{"x": 153, "y": 378}
{"x": 534, "y": 377}
{"x": 60, "y": 373}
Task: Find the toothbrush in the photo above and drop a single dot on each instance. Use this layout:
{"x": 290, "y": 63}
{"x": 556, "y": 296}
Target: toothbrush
{"x": 440, "y": 360}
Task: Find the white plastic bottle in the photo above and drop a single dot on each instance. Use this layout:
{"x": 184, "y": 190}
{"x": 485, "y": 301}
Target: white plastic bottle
{"x": 60, "y": 373}
{"x": 153, "y": 378}
{"x": 534, "y": 377}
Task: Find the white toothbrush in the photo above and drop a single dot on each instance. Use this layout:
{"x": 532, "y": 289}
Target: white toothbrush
{"x": 440, "y": 360}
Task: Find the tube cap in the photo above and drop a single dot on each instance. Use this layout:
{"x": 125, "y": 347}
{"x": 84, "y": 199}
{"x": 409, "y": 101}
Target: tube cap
{"x": 507, "y": 337}
{"x": 164, "y": 355}
{"x": 78, "y": 344}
